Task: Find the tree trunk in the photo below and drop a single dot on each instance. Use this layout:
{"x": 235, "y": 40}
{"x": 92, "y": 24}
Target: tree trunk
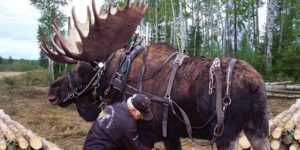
{"x": 235, "y": 28}
{"x": 269, "y": 30}
{"x": 51, "y": 69}
{"x": 284, "y": 87}
{"x": 256, "y": 38}
{"x": 156, "y": 21}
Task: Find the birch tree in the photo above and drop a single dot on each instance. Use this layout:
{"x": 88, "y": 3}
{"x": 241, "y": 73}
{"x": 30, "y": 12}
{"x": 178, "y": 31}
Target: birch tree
{"x": 271, "y": 7}
{"x": 49, "y": 10}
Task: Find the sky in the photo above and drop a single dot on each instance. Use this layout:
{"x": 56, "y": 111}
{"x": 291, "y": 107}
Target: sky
{"x": 19, "y": 23}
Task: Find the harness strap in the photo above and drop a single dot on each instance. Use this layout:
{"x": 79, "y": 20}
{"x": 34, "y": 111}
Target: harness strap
{"x": 227, "y": 99}
{"x": 221, "y": 104}
{"x": 177, "y": 63}
{"x": 94, "y": 82}
{"x": 218, "y": 130}
{"x": 117, "y": 83}
{"x": 143, "y": 69}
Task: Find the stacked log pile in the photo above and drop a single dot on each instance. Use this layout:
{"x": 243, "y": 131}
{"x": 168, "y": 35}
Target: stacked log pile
{"x": 284, "y": 130}
{"x": 283, "y": 90}
{"x": 13, "y": 135}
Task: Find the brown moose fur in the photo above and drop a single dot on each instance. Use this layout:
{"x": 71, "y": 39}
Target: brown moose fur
{"x": 190, "y": 91}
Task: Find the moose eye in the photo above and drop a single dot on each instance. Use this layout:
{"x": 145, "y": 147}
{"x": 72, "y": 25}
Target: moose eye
{"x": 79, "y": 87}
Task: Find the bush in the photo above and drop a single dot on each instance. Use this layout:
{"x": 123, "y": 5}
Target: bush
{"x": 286, "y": 65}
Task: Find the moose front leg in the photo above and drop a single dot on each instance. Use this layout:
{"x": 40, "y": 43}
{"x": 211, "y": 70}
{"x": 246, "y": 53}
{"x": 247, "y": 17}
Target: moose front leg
{"x": 172, "y": 143}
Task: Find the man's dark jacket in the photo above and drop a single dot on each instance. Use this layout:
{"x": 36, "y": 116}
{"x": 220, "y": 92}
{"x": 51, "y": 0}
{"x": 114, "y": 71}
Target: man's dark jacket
{"x": 114, "y": 129}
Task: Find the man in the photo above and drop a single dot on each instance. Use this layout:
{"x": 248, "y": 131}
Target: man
{"x": 116, "y": 127}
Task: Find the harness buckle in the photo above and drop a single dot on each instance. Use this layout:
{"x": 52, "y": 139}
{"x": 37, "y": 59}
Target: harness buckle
{"x": 179, "y": 59}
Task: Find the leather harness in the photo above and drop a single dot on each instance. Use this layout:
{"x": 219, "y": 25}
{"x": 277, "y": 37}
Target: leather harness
{"x": 120, "y": 78}
{"x": 119, "y": 82}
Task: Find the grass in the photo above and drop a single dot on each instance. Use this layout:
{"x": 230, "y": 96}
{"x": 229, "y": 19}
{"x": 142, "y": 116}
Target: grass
{"x": 19, "y": 65}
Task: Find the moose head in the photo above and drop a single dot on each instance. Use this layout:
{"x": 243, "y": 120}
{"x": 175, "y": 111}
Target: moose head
{"x": 86, "y": 45}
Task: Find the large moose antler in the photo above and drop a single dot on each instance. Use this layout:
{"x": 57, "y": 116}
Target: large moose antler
{"x": 92, "y": 41}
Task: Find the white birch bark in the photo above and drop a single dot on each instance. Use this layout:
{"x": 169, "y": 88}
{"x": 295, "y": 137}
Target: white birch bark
{"x": 156, "y": 22}
{"x": 51, "y": 69}
{"x": 182, "y": 28}
{"x": 269, "y": 27}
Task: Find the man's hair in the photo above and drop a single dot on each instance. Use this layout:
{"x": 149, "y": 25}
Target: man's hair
{"x": 130, "y": 105}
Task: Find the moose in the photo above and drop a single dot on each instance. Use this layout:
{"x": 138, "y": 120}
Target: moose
{"x": 96, "y": 47}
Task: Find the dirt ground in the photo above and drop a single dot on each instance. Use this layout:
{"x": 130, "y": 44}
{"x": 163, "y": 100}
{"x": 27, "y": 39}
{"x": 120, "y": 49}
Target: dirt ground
{"x": 63, "y": 126}
{"x": 29, "y": 107}
{"x": 10, "y": 74}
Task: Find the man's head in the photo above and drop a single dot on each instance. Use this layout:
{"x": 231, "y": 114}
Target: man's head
{"x": 139, "y": 106}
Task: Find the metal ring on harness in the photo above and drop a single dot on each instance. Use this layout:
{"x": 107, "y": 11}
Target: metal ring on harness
{"x": 226, "y": 100}
{"x": 219, "y": 129}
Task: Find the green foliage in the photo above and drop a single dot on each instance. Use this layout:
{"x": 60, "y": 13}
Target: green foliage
{"x": 19, "y": 65}
{"x": 10, "y": 80}
{"x": 215, "y": 34}
{"x": 49, "y": 13}
{"x": 61, "y": 69}
{"x": 286, "y": 47}
{"x": 10, "y": 60}
{"x": 287, "y": 65}
{"x": 1, "y": 60}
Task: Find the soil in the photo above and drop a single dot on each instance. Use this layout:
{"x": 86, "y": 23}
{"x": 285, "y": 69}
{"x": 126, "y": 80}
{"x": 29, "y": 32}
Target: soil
{"x": 10, "y": 74}
{"x": 63, "y": 126}
{"x": 29, "y": 106}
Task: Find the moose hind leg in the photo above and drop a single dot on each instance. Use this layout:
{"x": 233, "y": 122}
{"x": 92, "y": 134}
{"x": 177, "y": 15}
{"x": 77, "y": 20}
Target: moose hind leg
{"x": 172, "y": 144}
{"x": 257, "y": 135}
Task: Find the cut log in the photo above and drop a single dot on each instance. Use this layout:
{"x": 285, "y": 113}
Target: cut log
{"x": 275, "y": 144}
{"x": 295, "y": 106}
{"x": 35, "y": 141}
{"x": 49, "y": 146}
{"x": 290, "y": 125}
{"x": 294, "y": 146}
{"x": 277, "y": 132}
{"x": 10, "y": 136}
{"x": 279, "y": 83}
{"x": 23, "y": 144}
{"x": 297, "y": 132}
{"x": 283, "y": 91}
{"x": 244, "y": 142}
{"x": 284, "y": 87}
{"x": 2, "y": 143}
{"x": 283, "y": 95}
{"x": 275, "y": 121}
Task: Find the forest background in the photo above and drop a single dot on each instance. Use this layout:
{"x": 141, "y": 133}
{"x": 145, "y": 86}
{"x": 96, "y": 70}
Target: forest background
{"x": 211, "y": 28}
